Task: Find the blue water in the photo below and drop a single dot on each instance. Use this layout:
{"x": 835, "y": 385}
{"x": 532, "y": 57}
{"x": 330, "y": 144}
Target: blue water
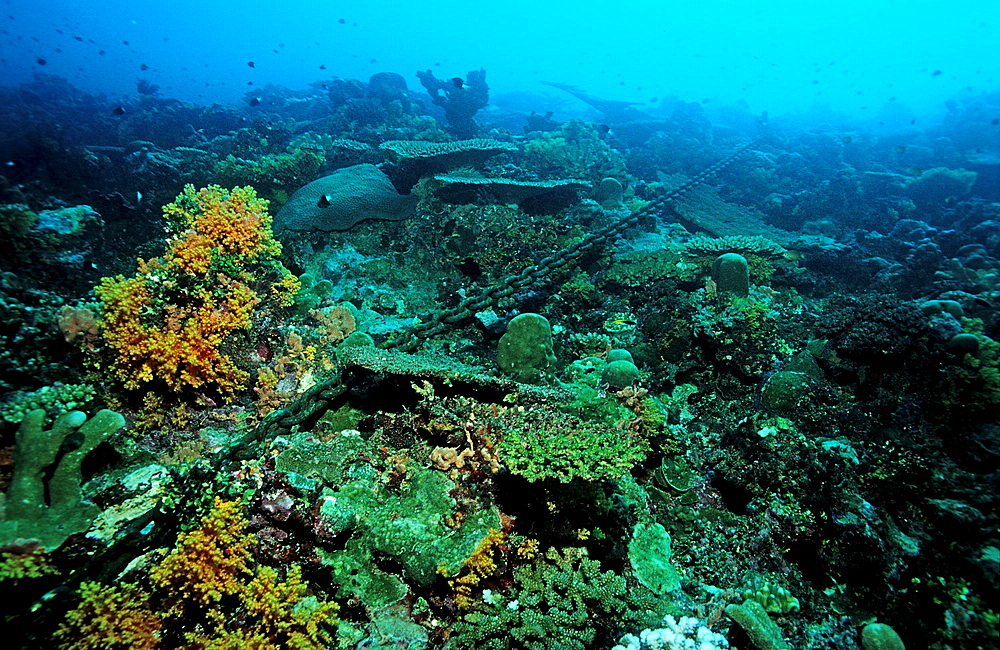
{"x": 868, "y": 59}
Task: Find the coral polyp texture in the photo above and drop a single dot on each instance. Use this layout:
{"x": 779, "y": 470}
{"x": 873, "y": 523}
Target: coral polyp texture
{"x": 177, "y": 323}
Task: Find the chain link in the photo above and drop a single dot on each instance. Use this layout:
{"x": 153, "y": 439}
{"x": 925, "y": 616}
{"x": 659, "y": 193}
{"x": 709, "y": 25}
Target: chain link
{"x": 468, "y": 307}
{"x": 320, "y": 397}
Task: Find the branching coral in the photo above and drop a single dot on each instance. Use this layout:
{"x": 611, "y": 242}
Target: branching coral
{"x": 562, "y": 600}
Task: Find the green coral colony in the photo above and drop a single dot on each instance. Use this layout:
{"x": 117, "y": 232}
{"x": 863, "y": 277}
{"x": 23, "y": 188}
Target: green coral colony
{"x": 387, "y": 384}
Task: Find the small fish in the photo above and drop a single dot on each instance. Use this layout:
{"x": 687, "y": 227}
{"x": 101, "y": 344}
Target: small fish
{"x": 144, "y": 67}
{"x": 100, "y": 53}
{"x": 372, "y": 61}
{"x": 124, "y": 42}
{"x": 438, "y": 64}
{"x": 458, "y": 82}
{"x": 78, "y": 38}
{"x": 324, "y": 201}
{"x": 254, "y": 101}
{"x": 995, "y": 121}
{"x": 936, "y": 73}
{"x": 118, "y": 110}
{"x": 342, "y": 21}
{"x": 899, "y": 148}
{"x": 40, "y": 61}
{"x": 322, "y": 66}
{"x": 138, "y": 197}
{"x": 846, "y": 139}
{"x": 603, "y": 129}
{"x": 251, "y": 64}
{"x": 9, "y": 163}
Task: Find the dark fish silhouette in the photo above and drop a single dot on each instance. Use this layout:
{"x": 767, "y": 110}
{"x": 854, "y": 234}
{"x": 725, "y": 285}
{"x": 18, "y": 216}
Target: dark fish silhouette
{"x": 251, "y": 64}
{"x": 254, "y": 101}
{"x": 118, "y": 110}
{"x": 324, "y": 201}
{"x": 457, "y": 81}
{"x": 40, "y": 61}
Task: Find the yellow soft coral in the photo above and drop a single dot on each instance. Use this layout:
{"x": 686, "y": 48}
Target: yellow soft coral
{"x": 205, "y": 593}
{"x": 111, "y": 618}
{"x": 480, "y": 565}
{"x": 208, "y": 563}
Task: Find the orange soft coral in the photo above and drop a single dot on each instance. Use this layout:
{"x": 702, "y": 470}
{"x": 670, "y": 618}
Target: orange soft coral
{"x": 171, "y": 321}
{"x": 236, "y": 222}
{"x": 183, "y": 350}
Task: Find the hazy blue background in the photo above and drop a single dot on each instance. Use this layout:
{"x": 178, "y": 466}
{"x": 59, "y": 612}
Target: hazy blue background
{"x": 851, "y": 55}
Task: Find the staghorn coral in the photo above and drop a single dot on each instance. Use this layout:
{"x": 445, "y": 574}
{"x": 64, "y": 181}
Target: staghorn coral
{"x": 55, "y": 400}
{"x": 171, "y": 322}
{"x": 460, "y": 101}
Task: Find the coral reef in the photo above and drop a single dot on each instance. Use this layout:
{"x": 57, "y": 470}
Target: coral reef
{"x": 688, "y": 377}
